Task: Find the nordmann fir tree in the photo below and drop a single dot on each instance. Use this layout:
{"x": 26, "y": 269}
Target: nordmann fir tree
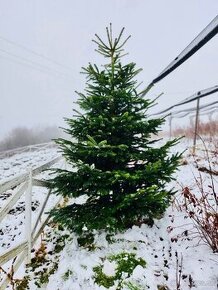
{"x": 115, "y": 165}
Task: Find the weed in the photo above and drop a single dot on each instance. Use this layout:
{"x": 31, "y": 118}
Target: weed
{"x": 125, "y": 264}
{"x": 202, "y": 207}
{"x": 67, "y": 275}
{"x": 133, "y": 286}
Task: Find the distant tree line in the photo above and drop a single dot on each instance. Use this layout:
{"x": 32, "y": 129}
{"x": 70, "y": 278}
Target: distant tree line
{"x": 22, "y": 136}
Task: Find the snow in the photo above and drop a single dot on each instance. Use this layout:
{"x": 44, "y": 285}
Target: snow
{"x": 19, "y": 163}
{"x": 158, "y": 246}
{"x": 12, "y": 228}
{"x": 109, "y": 268}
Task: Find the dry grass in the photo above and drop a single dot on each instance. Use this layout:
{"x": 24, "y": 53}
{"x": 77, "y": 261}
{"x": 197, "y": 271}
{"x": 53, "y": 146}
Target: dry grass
{"x": 200, "y": 204}
{"x": 209, "y": 128}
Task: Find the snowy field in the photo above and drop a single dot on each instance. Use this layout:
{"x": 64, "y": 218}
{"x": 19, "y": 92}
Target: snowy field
{"x": 171, "y": 255}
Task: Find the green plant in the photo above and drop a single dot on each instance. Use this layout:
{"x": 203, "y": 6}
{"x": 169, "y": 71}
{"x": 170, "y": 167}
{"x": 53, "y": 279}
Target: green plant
{"x": 132, "y": 286}
{"x": 125, "y": 264}
{"x": 115, "y": 163}
{"x": 102, "y": 279}
{"x": 67, "y": 275}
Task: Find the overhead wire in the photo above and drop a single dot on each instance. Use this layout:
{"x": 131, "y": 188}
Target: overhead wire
{"x": 50, "y": 73}
{"x": 35, "y": 53}
{"x": 36, "y": 64}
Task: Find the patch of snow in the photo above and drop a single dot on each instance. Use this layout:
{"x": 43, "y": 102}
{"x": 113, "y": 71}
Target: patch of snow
{"x": 109, "y": 268}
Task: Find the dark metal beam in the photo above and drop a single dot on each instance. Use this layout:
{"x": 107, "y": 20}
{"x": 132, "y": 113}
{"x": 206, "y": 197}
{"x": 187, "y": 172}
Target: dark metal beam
{"x": 196, "y": 96}
{"x": 204, "y": 36}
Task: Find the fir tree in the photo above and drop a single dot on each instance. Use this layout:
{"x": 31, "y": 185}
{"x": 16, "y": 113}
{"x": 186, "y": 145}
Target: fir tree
{"x": 115, "y": 165}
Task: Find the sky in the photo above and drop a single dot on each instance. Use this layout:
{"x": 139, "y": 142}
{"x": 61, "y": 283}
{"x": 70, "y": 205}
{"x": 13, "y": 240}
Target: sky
{"x": 40, "y": 91}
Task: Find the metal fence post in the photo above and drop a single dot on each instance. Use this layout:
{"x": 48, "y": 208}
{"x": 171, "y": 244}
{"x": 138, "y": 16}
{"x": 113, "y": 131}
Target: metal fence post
{"x": 196, "y": 125}
{"x": 28, "y": 217}
{"x": 170, "y": 124}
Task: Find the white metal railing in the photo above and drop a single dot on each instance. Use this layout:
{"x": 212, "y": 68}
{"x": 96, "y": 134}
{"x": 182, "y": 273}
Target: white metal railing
{"x": 29, "y": 148}
{"x": 24, "y": 184}
{"x": 15, "y": 181}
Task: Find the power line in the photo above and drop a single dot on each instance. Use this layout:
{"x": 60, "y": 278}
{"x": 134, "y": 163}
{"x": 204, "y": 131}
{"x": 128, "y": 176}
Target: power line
{"x": 35, "y": 53}
{"x": 31, "y": 66}
{"x": 33, "y": 63}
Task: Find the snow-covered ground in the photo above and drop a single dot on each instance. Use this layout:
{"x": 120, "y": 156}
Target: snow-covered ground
{"x": 12, "y": 227}
{"x": 164, "y": 255}
{"x": 21, "y": 162}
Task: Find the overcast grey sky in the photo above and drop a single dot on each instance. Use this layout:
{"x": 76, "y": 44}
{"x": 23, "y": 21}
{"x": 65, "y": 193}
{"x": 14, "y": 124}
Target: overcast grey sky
{"x": 40, "y": 92}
